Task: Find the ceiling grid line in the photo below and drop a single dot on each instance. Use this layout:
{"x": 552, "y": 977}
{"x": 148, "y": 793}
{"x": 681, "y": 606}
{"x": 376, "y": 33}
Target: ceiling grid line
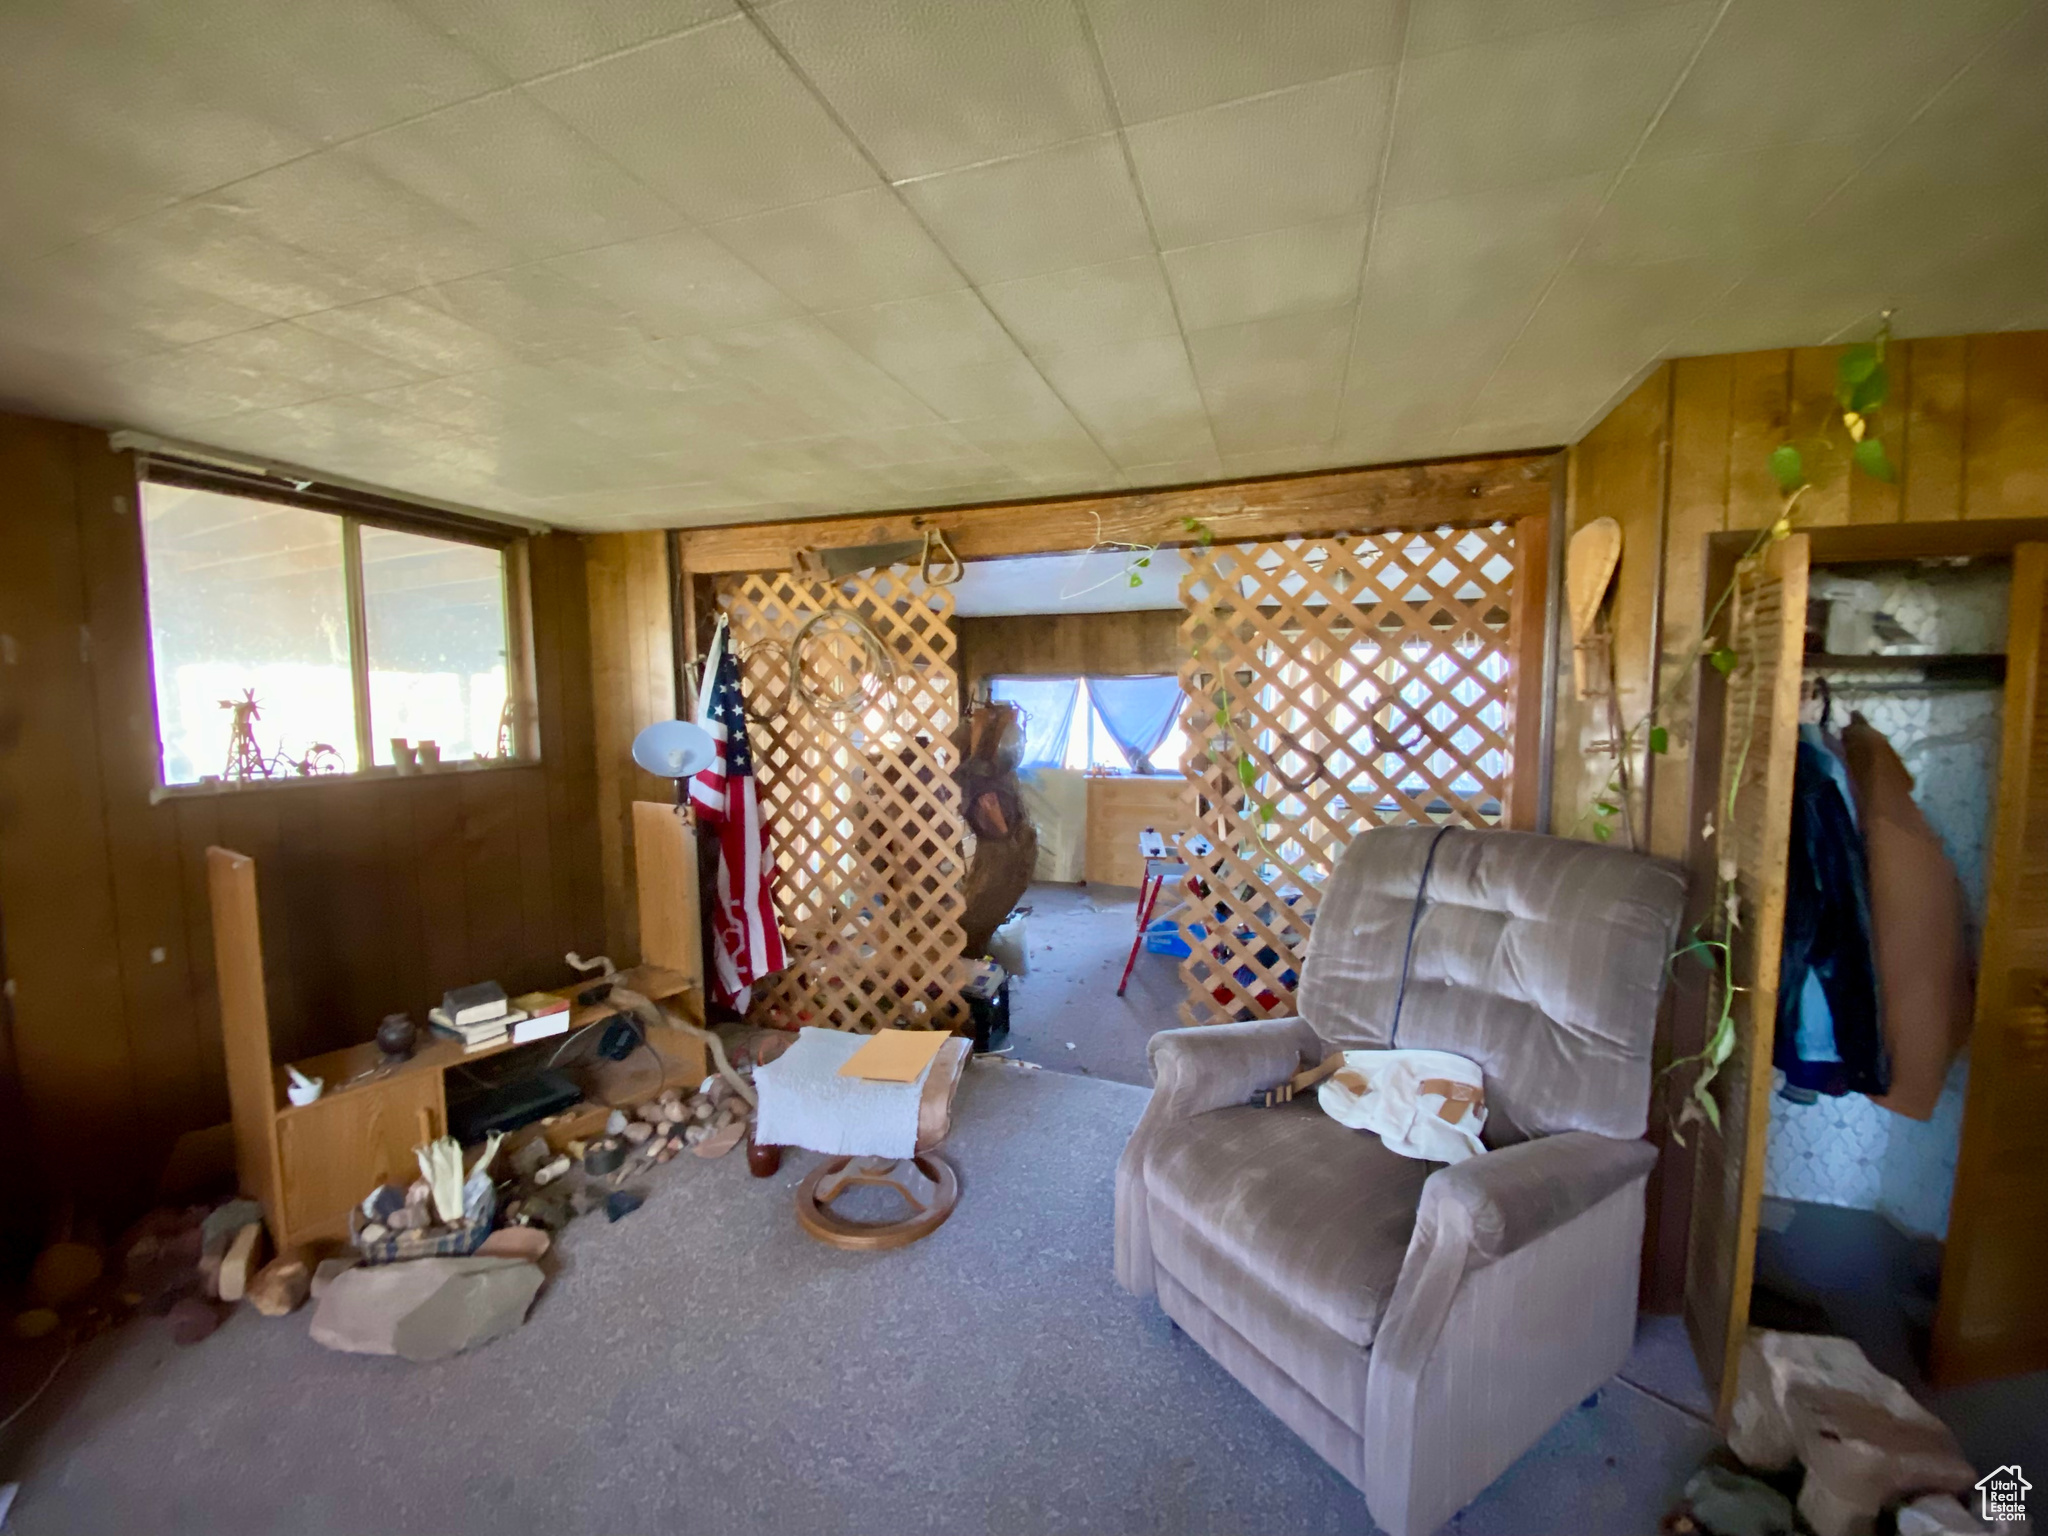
{"x": 1606, "y": 197}
{"x": 1763, "y": 258}
{"x": 1137, "y": 182}
{"x": 750, "y": 10}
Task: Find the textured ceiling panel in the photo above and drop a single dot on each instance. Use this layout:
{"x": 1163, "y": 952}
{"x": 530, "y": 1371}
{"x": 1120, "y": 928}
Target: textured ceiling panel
{"x": 672, "y": 262}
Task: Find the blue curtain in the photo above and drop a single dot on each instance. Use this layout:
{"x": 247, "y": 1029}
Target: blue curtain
{"x": 1047, "y": 704}
{"x": 1138, "y": 711}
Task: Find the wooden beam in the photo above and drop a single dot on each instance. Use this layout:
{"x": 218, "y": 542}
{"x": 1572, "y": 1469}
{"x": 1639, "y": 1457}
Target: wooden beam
{"x": 1495, "y": 488}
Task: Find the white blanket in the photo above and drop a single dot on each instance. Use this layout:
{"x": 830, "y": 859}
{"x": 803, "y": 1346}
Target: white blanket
{"x": 806, "y": 1103}
{"x": 1425, "y": 1104}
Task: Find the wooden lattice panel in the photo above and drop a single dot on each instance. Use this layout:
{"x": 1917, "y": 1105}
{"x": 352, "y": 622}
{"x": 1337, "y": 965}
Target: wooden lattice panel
{"x": 1334, "y": 684}
{"x": 863, "y": 815}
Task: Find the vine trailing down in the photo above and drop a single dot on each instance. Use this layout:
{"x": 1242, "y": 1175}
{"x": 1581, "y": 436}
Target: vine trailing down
{"x": 1861, "y": 386}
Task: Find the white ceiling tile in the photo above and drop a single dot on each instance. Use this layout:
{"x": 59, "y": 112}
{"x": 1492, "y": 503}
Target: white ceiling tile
{"x": 353, "y": 219}
{"x": 1293, "y": 157}
{"x": 1761, "y": 80}
{"x": 537, "y": 37}
{"x": 516, "y": 171}
{"x": 1169, "y": 56}
{"x": 1448, "y": 286}
{"x": 1176, "y": 472}
{"x": 1138, "y": 400}
{"x": 932, "y": 85}
{"x": 540, "y": 313}
{"x": 1273, "y": 383}
{"x": 1070, "y": 206}
{"x": 939, "y": 330}
{"x": 1276, "y": 461}
{"x": 840, "y": 252}
{"x": 1435, "y": 26}
{"x": 1085, "y": 306}
{"x": 1597, "y": 327}
{"x": 713, "y": 119}
{"x": 1273, "y": 272}
{"x": 212, "y": 255}
{"x": 1718, "y": 204}
{"x": 402, "y": 327}
{"x": 92, "y": 87}
{"x": 510, "y": 299}
{"x": 1041, "y": 441}
{"x": 1534, "y": 108}
{"x": 812, "y": 375}
{"x": 678, "y": 284}
{"x": 970, "y": 391}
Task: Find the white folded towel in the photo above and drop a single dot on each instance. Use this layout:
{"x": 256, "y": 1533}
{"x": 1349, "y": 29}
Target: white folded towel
{"x": 806, "y": 1103}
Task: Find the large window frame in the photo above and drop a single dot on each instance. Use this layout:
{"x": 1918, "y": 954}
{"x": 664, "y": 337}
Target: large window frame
{"x": 357, "y": 510}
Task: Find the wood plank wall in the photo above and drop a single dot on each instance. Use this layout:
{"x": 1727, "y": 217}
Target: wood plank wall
{"x": 633, "y": 684}
{"x": 1068, "y": 645}
{"x": 377, "y": 894}
{"x": 1967, "y": 421}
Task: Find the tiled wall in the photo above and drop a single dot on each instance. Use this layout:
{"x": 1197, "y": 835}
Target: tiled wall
{"x": 1847, "y": 1151}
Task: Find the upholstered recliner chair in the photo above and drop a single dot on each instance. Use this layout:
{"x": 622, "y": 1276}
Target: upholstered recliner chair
{"x": 1421, "y": 1325}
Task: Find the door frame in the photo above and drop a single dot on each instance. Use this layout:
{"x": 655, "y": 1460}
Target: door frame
{"x": 1672, "y": 1211}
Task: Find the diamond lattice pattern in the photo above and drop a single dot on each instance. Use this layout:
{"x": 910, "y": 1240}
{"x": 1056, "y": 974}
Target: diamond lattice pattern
{"x": 863, "y": 817}
{"x": 1334, "y": 684}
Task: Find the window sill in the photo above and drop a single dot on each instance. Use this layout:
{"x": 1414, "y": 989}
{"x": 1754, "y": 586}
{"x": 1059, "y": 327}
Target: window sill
{"x": 285, "y": 783}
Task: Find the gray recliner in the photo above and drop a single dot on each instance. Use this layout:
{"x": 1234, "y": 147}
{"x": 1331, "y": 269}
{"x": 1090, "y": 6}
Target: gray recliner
{"x": 1421, "y": 1325}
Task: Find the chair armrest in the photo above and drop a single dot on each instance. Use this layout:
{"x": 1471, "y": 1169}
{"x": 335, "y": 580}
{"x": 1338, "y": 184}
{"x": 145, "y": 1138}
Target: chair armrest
{"x": 1194, "y": 1071}
{"x": 1509, "y": 1198}
{"x": 1216, "y": 1065}
{"x": 1477, "y": 1212}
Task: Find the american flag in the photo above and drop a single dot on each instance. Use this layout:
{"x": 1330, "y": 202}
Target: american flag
{"x": 746, "y": 940}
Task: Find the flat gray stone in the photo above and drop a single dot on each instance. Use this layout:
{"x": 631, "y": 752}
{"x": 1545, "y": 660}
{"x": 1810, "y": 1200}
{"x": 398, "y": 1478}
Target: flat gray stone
{"x": 425, "y": 1309}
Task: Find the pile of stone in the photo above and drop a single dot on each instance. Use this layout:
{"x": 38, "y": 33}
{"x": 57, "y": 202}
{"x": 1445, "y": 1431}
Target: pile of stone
{"x": 1869, "y": 1451}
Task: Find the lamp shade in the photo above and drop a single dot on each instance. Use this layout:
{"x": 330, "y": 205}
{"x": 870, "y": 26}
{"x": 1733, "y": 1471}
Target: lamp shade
{"x": 674, "y": 749}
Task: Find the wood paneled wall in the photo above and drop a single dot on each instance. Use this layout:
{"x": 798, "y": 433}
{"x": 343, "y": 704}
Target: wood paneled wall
{"x": 1069, "y": 645}
{"x": 633, "y": 684}
{"x": 1685, "y": 457}
{"x": 376, "y": 894}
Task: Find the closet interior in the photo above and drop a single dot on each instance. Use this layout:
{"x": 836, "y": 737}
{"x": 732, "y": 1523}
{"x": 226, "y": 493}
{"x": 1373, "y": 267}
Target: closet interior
{"x": 1901, "y": 720}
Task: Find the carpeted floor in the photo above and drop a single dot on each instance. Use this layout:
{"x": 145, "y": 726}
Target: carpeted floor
{"x": 704, "y": 1367}
{"x": 1065, "y": 1013}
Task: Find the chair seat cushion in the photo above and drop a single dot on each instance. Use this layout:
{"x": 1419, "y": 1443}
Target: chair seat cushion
{"x": 1313, "y": 1212}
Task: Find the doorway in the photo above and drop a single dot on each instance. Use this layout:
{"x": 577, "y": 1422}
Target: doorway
{"x": 1086, "y": 659}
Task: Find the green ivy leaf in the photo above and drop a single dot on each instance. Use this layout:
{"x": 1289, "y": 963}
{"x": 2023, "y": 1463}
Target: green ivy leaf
{"x": 1247, "y": 771}
{"x": 1602, "y": 831}
{"x": 1660, "y": 739}
{"x": 1869, "y": 457}
{"x": 1223, "y": 717}
{"x": 1137, "y": 580}
{"x": 1723, "y": 661}
{"x": 1788, "y": 467}
{"x": 1266, "y": 812}
{"x": 1605, "y": 808}
{"x": 1143, "y": 561}
{"x": 1869, "y": 394}
{"x": 1857, "y": 364}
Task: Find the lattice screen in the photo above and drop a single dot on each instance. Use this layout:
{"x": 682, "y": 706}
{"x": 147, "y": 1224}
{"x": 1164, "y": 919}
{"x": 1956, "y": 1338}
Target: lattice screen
{"x": 863, "y": 815}
{"x": 1334, "y": 684}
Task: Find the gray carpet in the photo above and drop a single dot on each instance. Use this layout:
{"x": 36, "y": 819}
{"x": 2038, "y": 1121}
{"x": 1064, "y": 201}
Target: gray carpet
{"x": 704, "y": 1367}
{"x": 1065, "y": 1013}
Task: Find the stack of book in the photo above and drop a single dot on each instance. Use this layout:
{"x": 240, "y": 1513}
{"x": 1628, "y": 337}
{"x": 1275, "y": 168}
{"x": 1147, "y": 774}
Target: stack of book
{"x": 478, "y": 1016}
{"x": 481, "y": 1017}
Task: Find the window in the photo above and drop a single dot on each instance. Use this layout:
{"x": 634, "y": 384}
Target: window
{"x": 1064, "y": 726}
{"x": 346, "y": 634}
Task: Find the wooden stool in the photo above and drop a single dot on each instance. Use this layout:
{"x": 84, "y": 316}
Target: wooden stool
{"x": 925, "y": 1181}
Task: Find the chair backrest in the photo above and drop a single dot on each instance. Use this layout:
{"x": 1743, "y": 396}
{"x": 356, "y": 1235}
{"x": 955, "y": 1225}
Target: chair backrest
{"x": 1540, "y": 958}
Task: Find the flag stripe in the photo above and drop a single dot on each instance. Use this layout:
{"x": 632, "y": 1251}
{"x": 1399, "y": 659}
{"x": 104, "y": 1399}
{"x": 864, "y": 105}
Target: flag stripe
{"x": 746, "y": 939}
